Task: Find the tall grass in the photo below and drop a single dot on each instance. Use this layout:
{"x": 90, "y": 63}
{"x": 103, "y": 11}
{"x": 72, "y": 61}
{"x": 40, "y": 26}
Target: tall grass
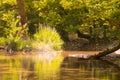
{"x": 47, "y": 39}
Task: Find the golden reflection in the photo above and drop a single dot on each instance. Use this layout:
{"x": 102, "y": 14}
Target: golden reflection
{"x": 52, "y": 67}
{"x": 47, "y": 66}
{"x": 21, "y": 67}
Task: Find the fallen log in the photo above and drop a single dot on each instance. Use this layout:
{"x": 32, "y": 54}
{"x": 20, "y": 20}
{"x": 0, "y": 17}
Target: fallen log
{"x": 105, "y": 52}
{"x": 2, "y": 48}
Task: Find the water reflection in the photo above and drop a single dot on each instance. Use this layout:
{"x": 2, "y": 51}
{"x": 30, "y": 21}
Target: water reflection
{"x": 29, "y": 67}
{"x": 72, "y": 68}
{"x": 32, "y": 67}
{"x": 48, "y": 67}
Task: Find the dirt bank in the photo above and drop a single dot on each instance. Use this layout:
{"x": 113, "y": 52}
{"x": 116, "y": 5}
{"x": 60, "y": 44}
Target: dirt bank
{"x": 78, "y": 45}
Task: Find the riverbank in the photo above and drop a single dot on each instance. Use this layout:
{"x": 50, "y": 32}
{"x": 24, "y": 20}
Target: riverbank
{"x": 86, "y": 45}
{"x": 86, "y": 49}
{"x": 87, "y": 54}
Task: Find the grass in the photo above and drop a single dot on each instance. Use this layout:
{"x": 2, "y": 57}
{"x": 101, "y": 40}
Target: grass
{"x": 47, "y": 39}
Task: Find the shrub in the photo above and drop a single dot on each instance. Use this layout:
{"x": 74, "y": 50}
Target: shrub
{"x": 3, "y": 41}
{"x": 20, "y": 45}
{"x": 47, "y": 39}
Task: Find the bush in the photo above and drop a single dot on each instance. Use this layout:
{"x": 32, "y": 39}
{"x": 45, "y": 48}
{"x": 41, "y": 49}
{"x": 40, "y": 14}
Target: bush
{"x": 12, "y": 44}
{"x": 3, "y": 41}
{"x": 20, "y": 45}
{"x": 47, "y": 39}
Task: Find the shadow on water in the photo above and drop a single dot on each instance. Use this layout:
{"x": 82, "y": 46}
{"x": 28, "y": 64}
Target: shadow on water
{"x": 30, "y": 67}
{"x": 74, "y": 68}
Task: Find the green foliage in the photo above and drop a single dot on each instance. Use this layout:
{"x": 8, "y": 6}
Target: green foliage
{"x": 11, "y": 2}
{"x": 48, "y": 39}
{"x": 71, "y": 29}
{"x": 7, "y": 17}
{"x": 3, "y": 41}
{"x": 20, "y": 45}
{"x": 115, "y": 33}
{"x": 13, "y": 32}
{"x": 64, "y": 15}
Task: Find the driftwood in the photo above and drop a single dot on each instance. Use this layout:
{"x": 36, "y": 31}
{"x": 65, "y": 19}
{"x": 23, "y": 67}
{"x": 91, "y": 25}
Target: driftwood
{"x": 95, "y": 56}
{"x": 105, "y": 52}
{"x": 2, "y": 47}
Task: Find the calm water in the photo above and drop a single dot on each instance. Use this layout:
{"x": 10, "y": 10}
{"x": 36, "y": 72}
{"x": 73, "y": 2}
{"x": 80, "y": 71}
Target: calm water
{"x": 31, "y": 67}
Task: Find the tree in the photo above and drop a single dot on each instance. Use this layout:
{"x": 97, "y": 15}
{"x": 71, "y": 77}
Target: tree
{"x": 22, "y": 11}
{"x": 23, "y": 17}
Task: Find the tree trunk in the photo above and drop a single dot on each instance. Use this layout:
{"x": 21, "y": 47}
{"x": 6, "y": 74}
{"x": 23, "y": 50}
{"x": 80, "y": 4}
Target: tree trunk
{"x": 23, "y": 18}
{"x": 104, "y": 32}
{"x": 22, "y": 11}
{"x": 106, "y": 52}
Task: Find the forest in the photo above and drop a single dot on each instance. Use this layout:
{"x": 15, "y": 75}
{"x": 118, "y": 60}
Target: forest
{"x": 21, "y": 22}
{"x": 59, "y": 39}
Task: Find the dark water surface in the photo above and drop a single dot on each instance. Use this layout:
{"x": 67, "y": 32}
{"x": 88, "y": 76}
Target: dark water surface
{"x": 29, "y": 67}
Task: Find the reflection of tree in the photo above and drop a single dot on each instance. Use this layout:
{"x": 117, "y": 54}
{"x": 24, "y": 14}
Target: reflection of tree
{"x": 86, "y": 69}
{"x": 31, "y": 68}
{"x": 14, "y": 71}
{"x": 112, "y": 64}
{"x": 76, "y": 62}
{"x": 48, "y": 70}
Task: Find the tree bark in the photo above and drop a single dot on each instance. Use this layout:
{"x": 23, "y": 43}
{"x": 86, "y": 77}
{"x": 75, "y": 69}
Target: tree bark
{"x": 22, "y": 11}
{"x": 23, "y": 18}
{"x": 106, "y": 52}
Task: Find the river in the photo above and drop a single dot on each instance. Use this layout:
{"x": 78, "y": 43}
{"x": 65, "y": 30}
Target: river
{"x": 30, "y": 67}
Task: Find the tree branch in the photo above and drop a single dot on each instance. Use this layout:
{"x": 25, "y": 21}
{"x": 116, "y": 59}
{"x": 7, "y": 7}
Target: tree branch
{"x": 83, "y": 35}
{"x": 106, "y": 52}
